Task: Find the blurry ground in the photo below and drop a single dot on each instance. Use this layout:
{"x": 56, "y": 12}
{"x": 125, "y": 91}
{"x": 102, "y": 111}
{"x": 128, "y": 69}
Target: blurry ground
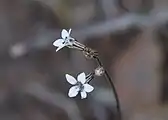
{"x": 130, "y": 35}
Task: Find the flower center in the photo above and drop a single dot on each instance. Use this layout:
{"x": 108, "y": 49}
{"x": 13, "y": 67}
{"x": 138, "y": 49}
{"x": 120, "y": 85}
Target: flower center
{"x": 81, "y": 86}
{"x": 67, "y": 41}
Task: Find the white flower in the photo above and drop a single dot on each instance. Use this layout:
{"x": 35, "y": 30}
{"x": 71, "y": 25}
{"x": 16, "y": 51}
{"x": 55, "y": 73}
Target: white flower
{"x": 80, "y": 85}
{"x": 66, "y": 40}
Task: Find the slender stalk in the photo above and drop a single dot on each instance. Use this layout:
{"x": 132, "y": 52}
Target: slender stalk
{"x": 89, "y": 53}
{"x": 89, "y": 77}
{"x": 115, "y": 94}
{"x": 107, "y": 76}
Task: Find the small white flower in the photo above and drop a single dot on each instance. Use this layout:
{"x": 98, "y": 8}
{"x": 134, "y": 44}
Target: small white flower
{"x": 66, "y": 40}
{"x": 80, "y": 85}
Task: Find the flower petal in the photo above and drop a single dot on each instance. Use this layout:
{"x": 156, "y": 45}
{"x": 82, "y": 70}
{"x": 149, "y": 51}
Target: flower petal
{"x": 58, "y": 42}
{"x": 60, "y": 47}
{"x": 82, "y": 78}
{"x": 64, "y": 34}
{"x": 83, "y": 94}
{"x": 88, "y": 88}
{"x": 71, "y": 79}
{"x": 70, "y": 31}
{"x": 73, "y": 91}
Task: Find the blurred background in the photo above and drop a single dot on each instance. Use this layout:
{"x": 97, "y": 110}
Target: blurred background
{"x": 131, "y": 37}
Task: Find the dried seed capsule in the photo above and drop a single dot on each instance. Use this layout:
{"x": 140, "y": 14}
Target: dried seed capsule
{"x": 99, "y": 71}
{"x": 89, "y": 53}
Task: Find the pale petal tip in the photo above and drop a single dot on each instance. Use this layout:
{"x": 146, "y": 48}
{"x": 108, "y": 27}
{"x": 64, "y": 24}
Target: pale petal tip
{"x": 58, "y": 42}
{"x": 57, "y": 49}
{"x": 82, "y": 78}
{"x": 91, "y": 89}
{"x": 70, "y": 79}
{"x": 70, "y": 95}
{"x": 82, "y": 74}
{"x": 60, "y": 47}
{"x": 83, "y": 95}
{"x": 73, "y": 91}
{"x": 64, "y": 30}
{"x": 88, "y": 88}
{"x": 70, "y": 30}
{"x": 55, "y": 43}
{"x": 64, "y": 33}
{"x": 66, "y": 75}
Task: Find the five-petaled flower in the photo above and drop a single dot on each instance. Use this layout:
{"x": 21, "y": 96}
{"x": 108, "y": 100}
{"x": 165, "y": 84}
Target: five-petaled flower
{"x": 80, "y": 85}
{"x": 66, "y": 40}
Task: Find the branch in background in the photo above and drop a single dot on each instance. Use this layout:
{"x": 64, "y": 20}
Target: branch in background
{"x": 45, "y": 37}
{"x": 109, "y": 8}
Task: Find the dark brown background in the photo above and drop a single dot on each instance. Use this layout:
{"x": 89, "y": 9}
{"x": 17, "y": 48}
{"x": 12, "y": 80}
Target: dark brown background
{"x": 130, "y": 35}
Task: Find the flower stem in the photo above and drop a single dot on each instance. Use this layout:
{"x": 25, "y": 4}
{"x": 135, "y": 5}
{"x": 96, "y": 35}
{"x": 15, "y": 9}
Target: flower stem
{"x": 89, "y": 77}
{"x": 107, "y": 76}
{"x": 92, "y": 54}
{"x": 77, "y": 45}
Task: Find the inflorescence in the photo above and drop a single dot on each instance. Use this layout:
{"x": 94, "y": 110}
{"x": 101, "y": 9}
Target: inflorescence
{"x": 81, "y": 84}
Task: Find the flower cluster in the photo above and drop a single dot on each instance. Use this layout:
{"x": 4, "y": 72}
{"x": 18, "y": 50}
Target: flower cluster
{"x": 81, "y": 84}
